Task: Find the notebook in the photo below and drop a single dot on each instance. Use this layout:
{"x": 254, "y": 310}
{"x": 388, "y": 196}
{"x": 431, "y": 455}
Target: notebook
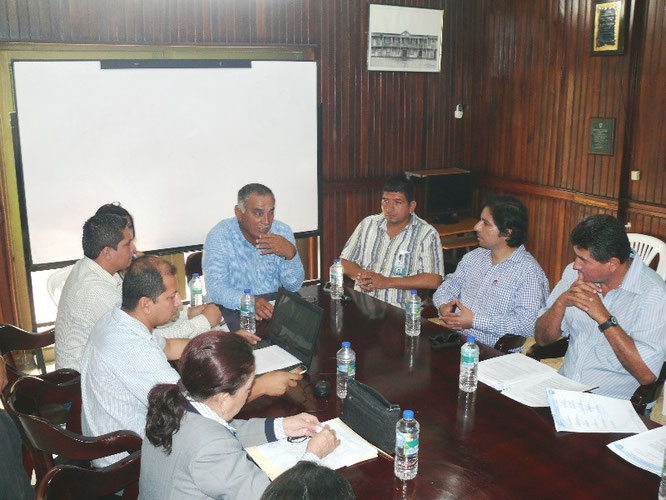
{"x": 292, "y": 335}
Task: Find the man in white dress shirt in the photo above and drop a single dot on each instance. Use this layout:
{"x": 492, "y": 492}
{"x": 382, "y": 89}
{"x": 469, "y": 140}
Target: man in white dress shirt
{"x": 94, "y": 288}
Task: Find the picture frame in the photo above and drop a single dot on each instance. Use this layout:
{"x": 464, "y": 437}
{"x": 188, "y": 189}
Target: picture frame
{"x": 602, "y": 136}
{"x": 404, "y": 39}
{"x": 609, "y": 32}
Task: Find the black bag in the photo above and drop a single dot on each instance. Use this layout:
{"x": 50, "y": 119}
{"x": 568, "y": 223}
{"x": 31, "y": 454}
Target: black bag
{"x": 370, "y": 415}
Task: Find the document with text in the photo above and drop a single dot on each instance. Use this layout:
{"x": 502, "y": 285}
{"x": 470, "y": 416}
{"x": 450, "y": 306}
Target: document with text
{"x": 583, "y": 412}
{"x": 644, "y": 450}
{"x": 272, "y": 358}
{"x": 524, "y": 379}
{"x": 276, "y": 457}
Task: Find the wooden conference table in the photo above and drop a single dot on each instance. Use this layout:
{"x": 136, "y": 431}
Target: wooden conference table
{"x": 482, "y": 445}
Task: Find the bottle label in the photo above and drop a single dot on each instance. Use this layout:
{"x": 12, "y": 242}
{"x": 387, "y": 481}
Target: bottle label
{"x": 407, "y": 442}
{"x": 469, "y": 357}
{"x": 414, "y": 308}
{"x": 247, "y": 310}
{"x": 349, "y": 369}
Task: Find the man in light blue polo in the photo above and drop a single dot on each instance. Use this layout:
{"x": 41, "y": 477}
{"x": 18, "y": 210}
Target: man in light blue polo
{"x": 250, "y": 250}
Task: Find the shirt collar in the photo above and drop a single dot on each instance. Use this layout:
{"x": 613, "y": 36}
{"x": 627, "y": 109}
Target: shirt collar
{"x": 114, "y": 279}
{"x": 207, "y": 412}
{"x": 632, "y": 280}
{"x": 137, "y": 327}
{"x": 412, "y": 222}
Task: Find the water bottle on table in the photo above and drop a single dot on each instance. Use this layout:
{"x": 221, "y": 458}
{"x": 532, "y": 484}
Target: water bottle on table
{"x": 346, "y": 361}
{"x": 337, "y": 274}
{"x": 196, "y": 290}
{"x": 413, "y": 314}
{"x": 247, "y": 321}
{"x": 406, "y": 462}
{"x": 469, "y": 365}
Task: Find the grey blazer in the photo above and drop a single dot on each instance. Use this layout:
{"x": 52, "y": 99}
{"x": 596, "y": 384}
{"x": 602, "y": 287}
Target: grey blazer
{"x": 206, "y": 461}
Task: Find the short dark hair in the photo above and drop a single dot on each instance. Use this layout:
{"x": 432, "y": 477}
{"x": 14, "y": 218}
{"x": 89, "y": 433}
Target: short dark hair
{"x": 509, "y": 213}
{"x": 400, "y": 184}
{"x": 211, "y": 363}
{"x": 254, "y": 188}
{"x": 117, "y": 209}
{"x": 145, "y": 278}
{"x": 309, "y": 481}
{"x": 101, "y": 231}
{"x": 604, "y": 237}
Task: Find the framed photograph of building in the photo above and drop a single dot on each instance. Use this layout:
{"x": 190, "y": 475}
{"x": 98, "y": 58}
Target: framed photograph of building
{"x": 609, "y": 27}
{"x": 405, "y": 39}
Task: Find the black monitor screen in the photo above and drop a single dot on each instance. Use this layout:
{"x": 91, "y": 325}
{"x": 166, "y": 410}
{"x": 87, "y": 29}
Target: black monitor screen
{"x": 446, "y": 195}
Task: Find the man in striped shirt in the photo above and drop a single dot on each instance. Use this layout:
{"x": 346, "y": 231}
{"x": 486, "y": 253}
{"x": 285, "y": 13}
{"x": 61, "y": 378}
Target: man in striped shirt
{"x": 613, "y": 309}
{"x": 396, "y": 250}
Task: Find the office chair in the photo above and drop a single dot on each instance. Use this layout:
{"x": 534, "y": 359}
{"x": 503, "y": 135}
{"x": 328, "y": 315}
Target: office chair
{"x": 648, "y": 248}
{"x": 56, "y": 281}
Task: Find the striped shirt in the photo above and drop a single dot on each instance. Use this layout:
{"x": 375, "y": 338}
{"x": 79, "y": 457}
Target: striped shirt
{"x": 415, "y": 250}
{"x": 231, "y": 264}
{"x": 639, "y": 304}
{"x": 505, "y": 297}
{"x": 121, "y": 363}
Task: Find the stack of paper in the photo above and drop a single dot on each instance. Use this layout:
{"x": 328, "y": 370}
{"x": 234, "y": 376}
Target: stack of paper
{"x": 644, "y": 450}
{"x": 272, "y": 358}
{"x": 524, "y": 379}
{"x": 276, "y": 457}
{"x": 582, "y": 412}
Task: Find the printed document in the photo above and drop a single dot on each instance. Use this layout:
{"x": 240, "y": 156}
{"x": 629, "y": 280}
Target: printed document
{"x": 644, "y": 450}
{"x": 582, "y": 412}
{"x": 276, "y": 457}
{"x": 524, "y": 379}
{"x": 272, "y": 358}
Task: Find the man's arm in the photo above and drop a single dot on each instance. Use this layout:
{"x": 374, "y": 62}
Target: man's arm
{"x": 273, "y": 384}
{"x": 352, "y": 269}
{"x": 370, "y": 280}
{"x": 174, "y": 348}
{"x": 291, "y": 269}
{"x": 191, "y": 322}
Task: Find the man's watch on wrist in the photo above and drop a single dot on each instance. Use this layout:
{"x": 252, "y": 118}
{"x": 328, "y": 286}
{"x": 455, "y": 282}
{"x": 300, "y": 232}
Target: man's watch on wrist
{"x": 612, "y": 321}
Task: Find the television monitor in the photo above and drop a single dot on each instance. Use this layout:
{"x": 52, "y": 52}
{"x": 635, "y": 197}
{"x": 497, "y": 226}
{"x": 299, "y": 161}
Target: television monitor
{"x": 448, "y": 195}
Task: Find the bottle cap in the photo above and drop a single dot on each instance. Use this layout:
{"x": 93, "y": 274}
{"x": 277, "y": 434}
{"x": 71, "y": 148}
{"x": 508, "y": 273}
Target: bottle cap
{"x": 346, "y": 344}
{"x": 470, "y": 339}
{"x": 335, "y": 261}
{"x": 195, "y": 275}
{"x": 247, "y": 290}
{"x": 408, "y": 414}
{"x": 414, "y": 292}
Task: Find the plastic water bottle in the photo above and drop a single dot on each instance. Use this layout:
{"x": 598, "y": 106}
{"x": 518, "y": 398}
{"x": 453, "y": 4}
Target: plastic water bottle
{"x": 413, "y": 314}
{"x": 337, "y": 273}
{"x": 469, "y": 365}
{"x": 247, "y": 321}
{"x": 406, "y": 462}
{"x": 196, "y": 290}
{"x": 346, "y": 361}
{"x": 661, "y": 495}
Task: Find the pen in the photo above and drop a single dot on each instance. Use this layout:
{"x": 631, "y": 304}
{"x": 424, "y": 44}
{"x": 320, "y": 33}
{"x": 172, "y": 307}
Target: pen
{"x": 593, "y": 389}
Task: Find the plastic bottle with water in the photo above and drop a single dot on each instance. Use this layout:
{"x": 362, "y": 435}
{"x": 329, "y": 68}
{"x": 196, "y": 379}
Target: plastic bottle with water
{"x": 247, "y": 321}
{"x": 196, "y": 290}
{"x": 413, "y": 314}
{"x": 346, "y": 361}
{"x": 406, "y": 462}
{"x": 469, "y": 365}
{"x": 661, "y": 495}
{"x": 337, "y": 274}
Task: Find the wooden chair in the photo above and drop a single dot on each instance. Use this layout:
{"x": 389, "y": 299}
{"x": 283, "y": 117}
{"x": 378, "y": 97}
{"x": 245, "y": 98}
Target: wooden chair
{"x": 642, "y": 397}
{"x": 46, "y": 439}
{"x": 13, "y": 338}
{"x": 68, "y": 482}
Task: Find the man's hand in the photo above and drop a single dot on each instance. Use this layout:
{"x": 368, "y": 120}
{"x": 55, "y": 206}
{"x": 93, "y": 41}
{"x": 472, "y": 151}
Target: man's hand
{"x": 276, "y": 244}
{"x": 275, "y": 383}
{"x": 458, "y": 321}
{"x": 302, "y": 424}
{"x": 447, "y": 308}
{"x": 194, "y": 311}
{"x": 323, "y": 442}
{"x": 370, "y": 280}
{"x": 585, "y": 296}
{"x": 250, "y": 337}
{"x": 212, "y": 313}
{"x": 262, "y": 308}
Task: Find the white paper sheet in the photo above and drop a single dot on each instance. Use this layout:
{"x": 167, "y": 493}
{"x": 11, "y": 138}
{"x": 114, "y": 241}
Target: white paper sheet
{"x": 276, "y": 457}
{"x": 272, "y": 358}
{"x": 504, "y": 371}
{"x": 534, "y": 394}
{"x": 582, "y": 412}
{"x": 644, "y": 450}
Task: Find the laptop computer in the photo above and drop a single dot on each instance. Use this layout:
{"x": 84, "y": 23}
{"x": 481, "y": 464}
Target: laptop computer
{"x": 292, "y": 335}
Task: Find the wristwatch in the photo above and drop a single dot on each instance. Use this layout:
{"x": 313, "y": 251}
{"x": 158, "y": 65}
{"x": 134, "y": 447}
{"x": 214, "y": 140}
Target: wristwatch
{"x": 612, "y": 321}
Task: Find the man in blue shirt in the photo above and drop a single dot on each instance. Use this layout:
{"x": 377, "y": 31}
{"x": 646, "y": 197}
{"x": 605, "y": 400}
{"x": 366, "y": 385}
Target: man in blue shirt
{"x": 251, "y": 250}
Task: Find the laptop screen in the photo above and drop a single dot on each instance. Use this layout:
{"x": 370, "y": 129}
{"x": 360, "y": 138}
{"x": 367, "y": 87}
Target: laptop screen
{"x": 295, "y": 325}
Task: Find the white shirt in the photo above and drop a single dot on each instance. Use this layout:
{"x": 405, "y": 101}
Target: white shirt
{"x": 121, "y": 363}
{"x": 88, "y": 294}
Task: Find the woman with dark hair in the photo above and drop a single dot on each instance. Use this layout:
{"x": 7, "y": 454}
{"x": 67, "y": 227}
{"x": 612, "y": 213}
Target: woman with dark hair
{"x": 193, "y": 447}
{"x": 309, "y": 481}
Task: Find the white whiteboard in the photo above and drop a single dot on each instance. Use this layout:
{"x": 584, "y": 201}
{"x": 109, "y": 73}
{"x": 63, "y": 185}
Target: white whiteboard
{"x": 173, "y": 145}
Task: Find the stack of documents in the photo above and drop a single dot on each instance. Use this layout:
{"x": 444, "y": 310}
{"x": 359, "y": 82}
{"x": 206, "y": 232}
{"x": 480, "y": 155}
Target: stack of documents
{"x": 276, "y": 457}
{"x": 582, "y": 412}
{"x": 524, "y": 379}
{"x": 272, "y": 358}
{"x": 644, "y": 450}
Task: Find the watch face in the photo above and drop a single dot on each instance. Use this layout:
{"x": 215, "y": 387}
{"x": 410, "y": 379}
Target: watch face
{"x": 613, "y": 321}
